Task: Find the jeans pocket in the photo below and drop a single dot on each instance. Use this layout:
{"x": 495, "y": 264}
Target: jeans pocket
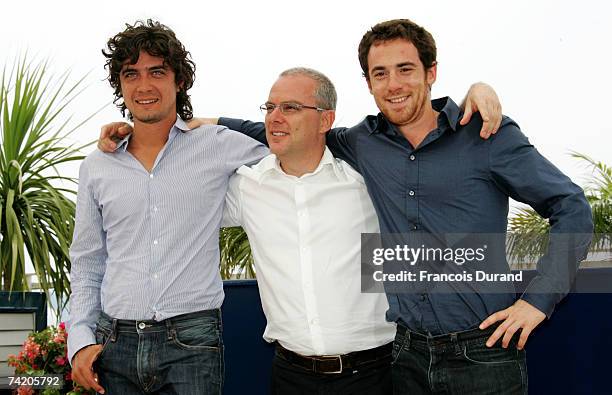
{"x": 481, "y": 354}
{"x": 399, "y": 344}
{"x": 197, "y": 337}
{"x": 103, "y": 338}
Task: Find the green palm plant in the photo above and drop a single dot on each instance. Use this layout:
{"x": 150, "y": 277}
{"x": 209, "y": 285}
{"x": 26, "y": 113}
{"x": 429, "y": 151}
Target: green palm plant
{"x": 528, "y": 236}
{"x": 236, "y": 257}
{"x": 36, "y": 201}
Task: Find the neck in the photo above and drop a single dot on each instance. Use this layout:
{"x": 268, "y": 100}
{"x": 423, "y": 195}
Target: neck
{"x": 152, "y": 134}
{"x": 416, "y": 131}
{"x": 301, "y": 164}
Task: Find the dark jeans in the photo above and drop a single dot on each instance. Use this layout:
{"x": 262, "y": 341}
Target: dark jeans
{"x": 370, "y": 379}
{"x": 458, "y": 363}
{"x": 180, "y": 355}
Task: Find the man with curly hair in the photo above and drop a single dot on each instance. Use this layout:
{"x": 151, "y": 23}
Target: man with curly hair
{"x": 146, "y": 289}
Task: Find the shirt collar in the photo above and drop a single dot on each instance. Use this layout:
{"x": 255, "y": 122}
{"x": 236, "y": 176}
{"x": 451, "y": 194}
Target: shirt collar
{"x": 179, "y": 126}
{"x": 271, "y": 164}
{"x": 450, "y": 114}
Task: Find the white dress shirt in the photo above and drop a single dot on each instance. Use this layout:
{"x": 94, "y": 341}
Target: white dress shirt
{"x": 305, "y": 235}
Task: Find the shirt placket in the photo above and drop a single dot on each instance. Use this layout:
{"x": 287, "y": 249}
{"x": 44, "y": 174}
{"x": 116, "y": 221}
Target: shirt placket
{"x": 306, "y": 266}
{"x": 157, "y": 247}
{"x": 154, "y": 264}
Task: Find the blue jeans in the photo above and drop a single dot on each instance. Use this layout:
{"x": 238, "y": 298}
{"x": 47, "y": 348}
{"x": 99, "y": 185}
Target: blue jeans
{"x": 456, "y": 363}
{"x": 180, "y": 355}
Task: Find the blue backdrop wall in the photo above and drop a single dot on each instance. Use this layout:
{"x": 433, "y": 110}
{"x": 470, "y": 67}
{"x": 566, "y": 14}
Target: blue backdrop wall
{"x": 569, "y": 354}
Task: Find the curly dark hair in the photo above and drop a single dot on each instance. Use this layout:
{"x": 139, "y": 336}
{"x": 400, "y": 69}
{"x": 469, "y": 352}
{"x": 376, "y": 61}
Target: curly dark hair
{"x": 157, "y": 40}
{"x": 402, "y": 29}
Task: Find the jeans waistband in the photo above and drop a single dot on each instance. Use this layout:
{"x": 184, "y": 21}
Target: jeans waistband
{"x": 470, "y": 334}
{"x": 135, "y": 325}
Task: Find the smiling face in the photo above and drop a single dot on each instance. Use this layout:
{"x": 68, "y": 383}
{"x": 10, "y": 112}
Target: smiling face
{"x": 301, "y": 133}
{"x": 148, "y": 89}
{"x": 398, "y": 81}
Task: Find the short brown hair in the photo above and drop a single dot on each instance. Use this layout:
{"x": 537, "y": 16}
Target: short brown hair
{"x": 398, "y": 29}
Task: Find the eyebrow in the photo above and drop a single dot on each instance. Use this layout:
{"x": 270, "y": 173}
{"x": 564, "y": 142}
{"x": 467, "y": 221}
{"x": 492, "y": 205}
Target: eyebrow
{"x": 285, "y": 102}
{"x": 403, "y": 64}
{"x": 128, "y": 68}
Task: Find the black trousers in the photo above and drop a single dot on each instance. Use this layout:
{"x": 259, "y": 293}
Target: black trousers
{"x": 371, "y": 379}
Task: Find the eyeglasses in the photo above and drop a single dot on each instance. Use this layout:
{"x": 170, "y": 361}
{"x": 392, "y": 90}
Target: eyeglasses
{"x": 286, "y": 108}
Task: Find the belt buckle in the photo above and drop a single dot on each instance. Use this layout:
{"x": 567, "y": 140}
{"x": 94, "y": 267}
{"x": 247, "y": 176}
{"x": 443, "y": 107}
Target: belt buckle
{"x": 339, "y": 357}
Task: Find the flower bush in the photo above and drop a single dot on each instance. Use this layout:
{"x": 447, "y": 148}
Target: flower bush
{"x": 43, "y": 353}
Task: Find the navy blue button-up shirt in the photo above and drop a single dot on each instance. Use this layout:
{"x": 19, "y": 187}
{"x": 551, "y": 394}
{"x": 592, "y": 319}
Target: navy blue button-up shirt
{"x": 456, "y": 182}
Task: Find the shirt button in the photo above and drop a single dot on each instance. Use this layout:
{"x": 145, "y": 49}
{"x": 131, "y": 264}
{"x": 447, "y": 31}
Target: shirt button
{"x": 151, "y": 175}
{"x": 155, "y": 276}
{"x": 411, "y": 193}
{"x": 154, "y": 209}
{"x": 141, "y": 325}
{"x": 423, "y": 297}
{"x": 412, "y": 157}
{"x": 314, "y": 321}
{"x": 415, "y": 227}
{"x": 155, "y": 242}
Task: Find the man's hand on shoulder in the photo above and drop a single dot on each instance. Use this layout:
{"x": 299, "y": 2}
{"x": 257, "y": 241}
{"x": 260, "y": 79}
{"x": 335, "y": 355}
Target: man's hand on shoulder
{"x": 521, "y": 315}
{"x": 111, "y": 133}
{"x": 482, "y": 98}
{"x": 197, "y": 122}
{"x": 82, "y": 367}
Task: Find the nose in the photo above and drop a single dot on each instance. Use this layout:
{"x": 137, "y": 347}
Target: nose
{"x": 395, "y": 82}
{"x": 276, "y": 115}
{"x": 144, "y": 84}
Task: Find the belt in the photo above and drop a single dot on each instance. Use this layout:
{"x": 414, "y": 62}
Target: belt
{"x": 336, "y": 364}
{"x": 469, "y": 334}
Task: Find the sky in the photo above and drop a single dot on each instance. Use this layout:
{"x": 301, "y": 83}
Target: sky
{"x": 547, "y": 60}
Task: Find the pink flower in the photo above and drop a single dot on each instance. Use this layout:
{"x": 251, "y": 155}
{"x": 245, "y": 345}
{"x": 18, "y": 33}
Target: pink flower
{"x": 61, "y": 361}
{"x": 62, "y": 326}
{"x": 68, "y": 376}
{"x": 25, "y": 391}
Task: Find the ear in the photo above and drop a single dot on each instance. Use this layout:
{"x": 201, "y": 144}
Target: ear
{"x": 432, "y": 73}
{"x": 180, "y": 86}
{"x": 327, "y": 120}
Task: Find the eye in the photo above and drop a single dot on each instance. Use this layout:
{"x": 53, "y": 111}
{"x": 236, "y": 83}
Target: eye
{"x": 379, "y": 74}
{"x": 290, "y": 108}
{"x": 267, "y": 108}
{"x": 405, "y": 70}
{"x": 129, "y": 75}
{"x": 158, "y": 73}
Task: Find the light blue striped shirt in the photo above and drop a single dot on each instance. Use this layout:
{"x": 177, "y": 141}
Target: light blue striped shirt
{"x": 145, "y": 244}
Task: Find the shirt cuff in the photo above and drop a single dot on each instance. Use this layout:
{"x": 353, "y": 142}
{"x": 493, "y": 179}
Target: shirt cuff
{"x": 78, "y": 338}
{"x": 544, "y": 302}
{"x": 230, "y": 123}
